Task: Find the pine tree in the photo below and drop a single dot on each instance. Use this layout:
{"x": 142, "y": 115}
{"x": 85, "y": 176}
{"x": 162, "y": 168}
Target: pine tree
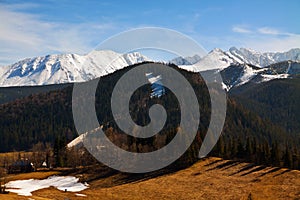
{"x": 267, "y": 153}
{"x": 249, "y": 148}
{"x": 221, "y": 147}
{"x": 240, "y": 149}
{"x": 287, "y": 158}
{"x": 275, "y": 154}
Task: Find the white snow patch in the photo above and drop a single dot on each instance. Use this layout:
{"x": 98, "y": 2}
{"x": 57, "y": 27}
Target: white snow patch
{"x": 64, "y": 183}
{"x": 154, "y": 79}
{"x": 267, "y": 77}
{"x": 76, "y": 141}
{"x": 81, "y": 137}
{"x": 226, "y": 87}
{"x": 248, "y": 74}
{"x": 80, "y": 195}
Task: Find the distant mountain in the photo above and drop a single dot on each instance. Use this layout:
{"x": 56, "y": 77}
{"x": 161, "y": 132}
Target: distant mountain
{"x": 219, "y": 59}
{"x": 216, "y": 59}
{"x": 65, "y": 68}
{"x": 239, "y": 65}
{"x": 186, "y": 60}
{"x": 262, "y": 59}
{"x": 239, "y": 74}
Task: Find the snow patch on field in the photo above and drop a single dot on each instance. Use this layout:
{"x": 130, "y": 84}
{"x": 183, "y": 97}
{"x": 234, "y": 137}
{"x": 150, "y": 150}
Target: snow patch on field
{"x": 64, "y": 183}
{"x": 80, "y": 195}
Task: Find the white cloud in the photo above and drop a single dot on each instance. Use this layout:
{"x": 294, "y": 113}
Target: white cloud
{"x": 274, "y": 43}
{"x": 262, "y": 30}
{"x": 273, "y": 31}
{"x": 268, "y": 31}
{"x": 264, "y": 39}
{"x": 26, "y": 35}
{"x": 239, "y": 29}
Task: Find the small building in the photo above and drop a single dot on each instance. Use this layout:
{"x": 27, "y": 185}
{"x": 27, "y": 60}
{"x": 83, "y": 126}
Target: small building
{"x": 44, "y": 164}
{"x": 21, "y": 166}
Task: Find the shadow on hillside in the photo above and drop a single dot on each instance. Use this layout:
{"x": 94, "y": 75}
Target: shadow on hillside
{"x": 231, "y": 163}
{"x": 106, "y": 177}
{"x": 245, "y": 168}
{"x": 227, "y": 164}
{"x": 283, "y": 172}
{"x": 212, "y": 163}
{"x": 256, "y": 169}
{"x": 103, "y": 176}
{"x": 272, "y": 170}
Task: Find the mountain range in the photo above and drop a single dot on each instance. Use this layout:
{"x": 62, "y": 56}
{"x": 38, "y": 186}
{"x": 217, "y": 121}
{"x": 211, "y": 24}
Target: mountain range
{"x": 237, "y": 66}
{"x": 218, "y": 58}
{"x": 262, "y": 115}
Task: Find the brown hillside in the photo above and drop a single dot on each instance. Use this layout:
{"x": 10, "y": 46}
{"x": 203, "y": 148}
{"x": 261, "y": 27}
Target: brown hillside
{"x": 212, "y": 178}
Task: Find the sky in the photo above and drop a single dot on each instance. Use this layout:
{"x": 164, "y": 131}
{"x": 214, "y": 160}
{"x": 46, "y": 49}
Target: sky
{"x": 36, "y": 28}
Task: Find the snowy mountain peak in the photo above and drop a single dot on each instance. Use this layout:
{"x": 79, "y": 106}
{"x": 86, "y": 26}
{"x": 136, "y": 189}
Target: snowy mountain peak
{"x": 216, "y": 59}
{"x": 217, "y": 50}
{"x": 66, "y": 68}
{"x": 263, "y": 59}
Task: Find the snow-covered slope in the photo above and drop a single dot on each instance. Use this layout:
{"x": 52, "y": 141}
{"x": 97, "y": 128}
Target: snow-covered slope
{"x": 65, "y": 68}
{"x": 240, "y": 66}
{"x": 218, "y": 59}
{"x": 239, "y": 74}
{"x": 263, "y": 59}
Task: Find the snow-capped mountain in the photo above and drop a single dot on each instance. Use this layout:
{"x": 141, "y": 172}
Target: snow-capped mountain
{"x": 218, "y": 59}
{"x": 239, "y": 74}
{"x": 262, "y": 59}
{"x": 239, "y": 65}
{"x": 65, "y": 68}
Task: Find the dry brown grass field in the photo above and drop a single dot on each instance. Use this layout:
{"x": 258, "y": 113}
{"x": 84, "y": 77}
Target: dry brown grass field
{"x": 211, "y": 178}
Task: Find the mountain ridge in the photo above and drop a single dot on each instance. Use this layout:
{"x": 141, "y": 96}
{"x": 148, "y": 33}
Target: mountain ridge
{"x": 66, "y": 68}
{"x": 219, "y": 59}
{"x": 239, "y": 74}
{"x": 69, "y": 68}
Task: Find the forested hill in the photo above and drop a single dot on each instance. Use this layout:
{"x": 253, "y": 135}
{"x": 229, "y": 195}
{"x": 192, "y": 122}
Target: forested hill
{"x": 276, "y": 100}
{"x": 47, "y": 117}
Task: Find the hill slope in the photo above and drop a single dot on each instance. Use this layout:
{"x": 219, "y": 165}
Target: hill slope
{"x": 211, "y": 178}
{"x": 276, "y": 100}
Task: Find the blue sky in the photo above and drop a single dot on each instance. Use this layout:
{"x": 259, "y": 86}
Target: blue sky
{"x": 34, "y": 28}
